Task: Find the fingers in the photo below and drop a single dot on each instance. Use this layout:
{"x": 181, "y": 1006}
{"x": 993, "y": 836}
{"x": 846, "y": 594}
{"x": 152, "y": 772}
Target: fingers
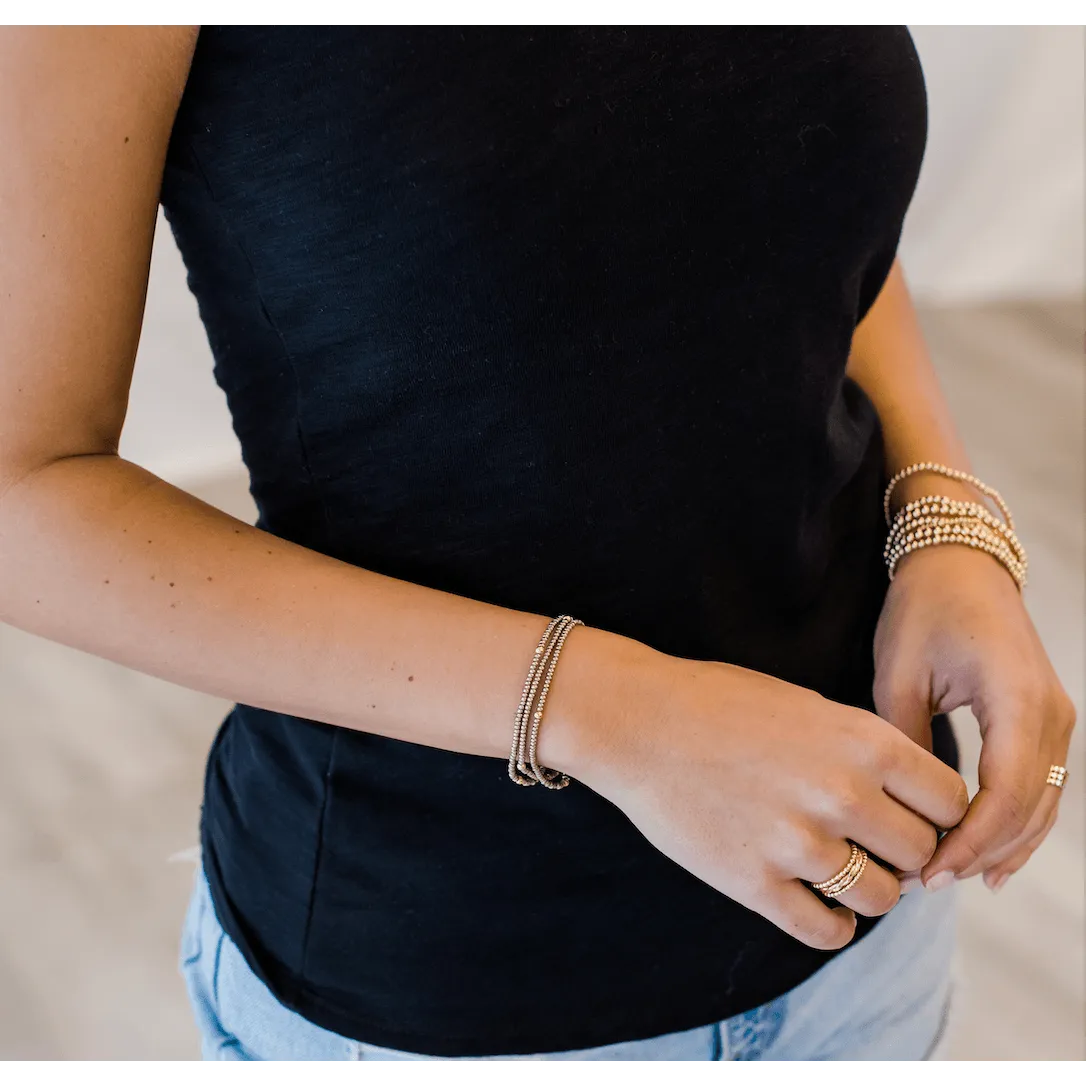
{"x": 916, "y": 778}
{"x": 1045, "y": 808}
{"x": 800, "y": 912}
{"x": 1014, "y": 858}
{"x": 894, "y": 833}
{"x": 1012, "y": 783}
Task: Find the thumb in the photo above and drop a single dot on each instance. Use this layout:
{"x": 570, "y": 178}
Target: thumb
{"x": 907, "y": 705}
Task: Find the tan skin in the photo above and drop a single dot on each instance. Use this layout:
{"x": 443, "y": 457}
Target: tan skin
{"x": 954, "y": 629}
{"x": 753, "y": 783}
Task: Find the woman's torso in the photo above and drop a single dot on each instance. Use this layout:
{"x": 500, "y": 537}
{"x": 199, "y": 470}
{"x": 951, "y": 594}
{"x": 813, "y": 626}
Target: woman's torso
{"x": 556, "y": 318}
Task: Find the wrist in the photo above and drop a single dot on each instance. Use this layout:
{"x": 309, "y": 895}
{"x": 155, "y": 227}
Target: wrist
{"x": 957, "y": 565}
{"x": 599, "y": 680}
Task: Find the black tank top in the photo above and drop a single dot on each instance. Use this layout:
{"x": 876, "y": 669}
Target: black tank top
{"x": 555, "y": 318}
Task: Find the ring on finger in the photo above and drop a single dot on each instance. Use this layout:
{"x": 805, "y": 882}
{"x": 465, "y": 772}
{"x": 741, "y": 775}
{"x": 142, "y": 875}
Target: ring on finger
{"x": 847, "y": 877}
{"x": 1057, "y": 775}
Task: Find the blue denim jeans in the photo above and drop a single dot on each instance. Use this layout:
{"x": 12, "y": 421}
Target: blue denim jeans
{"x": 886, "y": 998}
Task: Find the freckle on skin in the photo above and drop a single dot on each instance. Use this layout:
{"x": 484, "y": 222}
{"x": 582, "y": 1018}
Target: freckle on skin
{"x": 171, "y": 584}
{"x": 209, "y": 578}
{"x": 107, "y": 580}
{"x": 410, "y": 678}
{"x": 126, "y": 139}
{"x": 173, "y": 604}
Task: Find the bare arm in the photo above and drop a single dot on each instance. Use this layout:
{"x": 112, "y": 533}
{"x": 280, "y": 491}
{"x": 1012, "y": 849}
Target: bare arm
{"x": 100, "y": 554}
{"x": 890, "y": 360}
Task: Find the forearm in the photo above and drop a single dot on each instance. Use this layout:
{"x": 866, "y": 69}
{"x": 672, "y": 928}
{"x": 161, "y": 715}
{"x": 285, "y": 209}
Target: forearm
{"x": 99, "y": 554}
{"x": 890, "y": 361}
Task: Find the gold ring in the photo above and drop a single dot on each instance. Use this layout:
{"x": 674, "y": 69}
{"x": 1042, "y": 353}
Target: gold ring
{"x": 847, "y": 877}
{"x": 1057, "y": 775}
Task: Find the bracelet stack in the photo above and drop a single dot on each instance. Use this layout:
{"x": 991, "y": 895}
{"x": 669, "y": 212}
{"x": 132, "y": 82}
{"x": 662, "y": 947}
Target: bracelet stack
{"x": 935, "y": 518}
{"x": 524, "y": 767}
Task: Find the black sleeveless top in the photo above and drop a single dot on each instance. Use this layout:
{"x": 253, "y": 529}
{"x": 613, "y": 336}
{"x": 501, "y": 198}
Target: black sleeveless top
{"x": 555, "y": 318}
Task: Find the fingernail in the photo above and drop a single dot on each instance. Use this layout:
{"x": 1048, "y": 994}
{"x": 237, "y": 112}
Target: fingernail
{"x": 910, "y": 882}
{"x": 940, "y": 881}
{"x": 996, "y": 884}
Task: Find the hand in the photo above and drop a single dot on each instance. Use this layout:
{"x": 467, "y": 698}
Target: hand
{"x": 954, "y": 631}
{"x": 756, "y": 785}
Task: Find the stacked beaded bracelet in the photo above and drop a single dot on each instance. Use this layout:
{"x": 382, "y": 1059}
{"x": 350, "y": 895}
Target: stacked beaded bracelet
{"x": 524, "y": 767}
{"x": 935, "y": 518}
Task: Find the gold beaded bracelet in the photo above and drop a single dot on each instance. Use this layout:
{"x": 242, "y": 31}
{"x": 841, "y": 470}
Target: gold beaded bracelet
{"x": 936, "y": 518}
{"x": 916, "y": 526}
{"x": 952, "y": 473}
{"x": 929, "y": 531}
{"x": 524, "y": 767}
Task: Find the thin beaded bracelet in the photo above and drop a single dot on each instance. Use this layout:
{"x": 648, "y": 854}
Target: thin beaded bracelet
{"x": 917, "y": 531}
{"x": 969, "y": 531}
{"x": 927, "y": 519}
{"x": 519, "y": 771}
{"x": 524, "y": 767}
{"x": 958, "y": 507}
{"x": 952, "y": 473}
{"x": 935, "y": 509}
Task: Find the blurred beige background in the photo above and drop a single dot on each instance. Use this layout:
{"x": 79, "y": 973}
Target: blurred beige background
{"x": 100, "y": 766}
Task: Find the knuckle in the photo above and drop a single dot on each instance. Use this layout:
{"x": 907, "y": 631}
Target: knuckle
{"x": 1064, "y": 714}
{"x": 1030, "y": 689}
{"x": 762, "y": 888}
{"x": 1070, "y": 712}
{"x": 799, "y": 846}
{"x": 825, "y": 934}
{"x": 850, "y": 803}
{"x": 972, "y": 853}
{"x": 958, "y": 803}
{"x": 884, "y": 896}
{"x": 1015, "y": 811}
{"x": 825, "y": 798}
{"x": 885, "y": 756}
{"x": 923, "y": 849}
{"x": 860, "y": 729}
